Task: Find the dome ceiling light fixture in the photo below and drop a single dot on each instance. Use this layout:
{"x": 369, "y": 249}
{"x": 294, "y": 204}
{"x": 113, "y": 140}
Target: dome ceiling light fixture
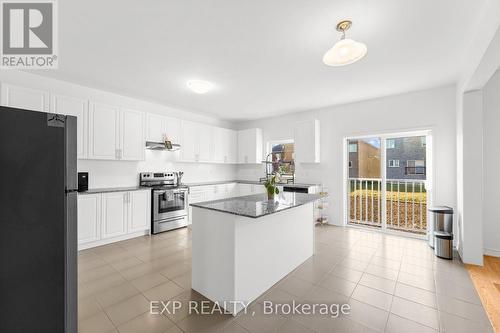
{"x": 346, "y": 51}
{"x": 200, "y": 86}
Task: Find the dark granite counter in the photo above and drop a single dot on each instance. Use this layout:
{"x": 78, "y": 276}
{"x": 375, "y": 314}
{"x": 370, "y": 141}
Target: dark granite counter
{"x": 113, "y": 189}
{"x": 255, "y": 182}
{"x": 257, "y": 205}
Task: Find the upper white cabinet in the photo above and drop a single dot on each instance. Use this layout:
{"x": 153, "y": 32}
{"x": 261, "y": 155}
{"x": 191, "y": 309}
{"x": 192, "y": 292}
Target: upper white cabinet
{"x": 104, "y": 139}
{"x": 25, "y": 98}
{"x": 196, "y": 142}
{"x": 77, "y": 107}
{"x": 250, "y": 146}
{"x": 161, "y": 128}
{"x": 132, "y": 143}
{"x": 115, "y": 134}
{"x": 307, "y": 141}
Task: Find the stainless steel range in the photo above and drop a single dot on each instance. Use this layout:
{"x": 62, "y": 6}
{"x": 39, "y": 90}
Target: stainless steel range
{"x": 169, "y": 200}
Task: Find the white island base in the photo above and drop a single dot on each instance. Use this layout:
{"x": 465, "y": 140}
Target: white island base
{"x": 236, "y": 259}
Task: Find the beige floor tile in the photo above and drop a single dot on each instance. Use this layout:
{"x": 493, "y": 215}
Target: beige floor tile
{"x": 116, "y": 294}
{"x": 88, "y": 307}
{"x": 387, "y": 263}
{"x": 373, "y": 297}
{"x": 173, "y": 329}
{"x": 255, "y": 320}
{"x": 417, "y": 295}
{"x": 91, "y": 263}
{"x": 397, "y": 324}
{"x": 199, "y": 323}
{"x": 98, "y": 323}
{"x": 292, "y": 326}
{"x": 456, "y": 324}
{"x": 125, "y": 263}
{"x": 415, "y": 311}
{"x": 96, "y": 273}
{"x": 183, "y": 280}
{"x": 417, "y": 281}
{"x": 148, "y": 281}
{"x": 137, "y": 271}
{"x": 128, "y": 309}
{"x": 376, "y": 282}
{"x": 462, "y": 309}
{"x": 383, "y": 272}
{"x": 338, "y": 285}
{"x": 175, "y": 270}
{"x": 163, "y": 292}
{"x": 295, "y": 286}
{"x": 97, "y": 286}
{"x": 150, "y": 323}
{"x": 368, "y": 315}
{"x": 347, "y": 274}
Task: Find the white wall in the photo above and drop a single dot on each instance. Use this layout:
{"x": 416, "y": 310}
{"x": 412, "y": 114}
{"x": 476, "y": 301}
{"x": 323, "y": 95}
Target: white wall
{"x": 491, "y": 162}
{"x": 430, "y": 109}
{"x": 125, "y": 173}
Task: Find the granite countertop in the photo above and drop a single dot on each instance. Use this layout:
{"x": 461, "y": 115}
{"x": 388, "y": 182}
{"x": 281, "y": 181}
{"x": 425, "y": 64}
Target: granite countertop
{"x": 257, "y": 205}
{"x": 113, "y": 189}
{"x": 246, "y": 182}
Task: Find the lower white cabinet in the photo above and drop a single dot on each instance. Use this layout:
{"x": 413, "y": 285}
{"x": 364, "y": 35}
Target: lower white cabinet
{"x": 89, "y": 218}
{"x": 139, "y": 213}
{"x": 114, "y": 214}
{"x": 107, "y": 217}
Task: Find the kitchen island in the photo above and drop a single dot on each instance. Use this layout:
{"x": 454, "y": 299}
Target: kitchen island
{"x": 242, "y": 246}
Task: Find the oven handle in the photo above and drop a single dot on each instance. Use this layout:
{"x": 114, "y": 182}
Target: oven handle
{"x": 170, "y": 220}
{"x": 165, "y": 191}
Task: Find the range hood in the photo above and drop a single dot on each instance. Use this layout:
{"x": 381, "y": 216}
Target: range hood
{"x": 167, "y": 145}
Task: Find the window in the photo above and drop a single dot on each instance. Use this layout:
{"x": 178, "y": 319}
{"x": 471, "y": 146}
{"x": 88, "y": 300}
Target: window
{"x": 391, "y": 143}
{"x": 353, "y": 147}
{"x": 350, "y": 164}
{"x": 393, "y": 163}
{"x": 281, "y": 158}
{"x": 415, "y": 167}
{"x": 422, "y": 141}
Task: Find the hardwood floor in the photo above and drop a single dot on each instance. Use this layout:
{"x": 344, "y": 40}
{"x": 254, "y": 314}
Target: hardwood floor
{"x": 487, "y": 282}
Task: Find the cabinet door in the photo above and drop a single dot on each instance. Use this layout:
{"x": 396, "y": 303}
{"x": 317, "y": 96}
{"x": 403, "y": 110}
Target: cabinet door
{"x": 139, "y": 212}
{"x": 189, "y": 142}
{"x": 132, "y": 142}
{"x": 103, "y": 132}
{"x": 74, "y": 107}
{"x": 25, "y": 98}
{"x": 220, "y": 145}
{"x": 114, "y": 214}
{"x": 173, "y": 129}
{"x": 155, "y": 127}
{"x": 89, "y": 218}
{"x": 205, "y": 140}
{"x": 244, "y": 142}
{"x": 232, "y": 147}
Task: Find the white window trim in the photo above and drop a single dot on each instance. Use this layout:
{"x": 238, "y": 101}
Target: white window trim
{"x": 393, "y": 141}
{"x": 394, "y": 165}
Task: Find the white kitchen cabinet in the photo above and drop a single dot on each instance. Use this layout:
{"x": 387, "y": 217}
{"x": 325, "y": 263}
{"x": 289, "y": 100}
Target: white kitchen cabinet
{"x": 196, "y": 142}
{"x": 307, "y": 141}
{"x": 225, "y": 145}
{"x": 132, "y": 142}
{"x": 232, "y": 146}
{"x": 245, "y": 189}
{"x": 161, "y": 128}
{"x": 79, "y": 108}
{"x": 114, "y": 214}
{"x": 250, "y": 146}
{"x": 139, "y": 210}
{"x": 89, "y": 218}
{"x": 104, "y": 126}
{"x": 24, "y": 98}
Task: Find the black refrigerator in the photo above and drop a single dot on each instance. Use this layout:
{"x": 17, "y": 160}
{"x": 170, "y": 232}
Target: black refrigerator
{"x": 38, "y": 222}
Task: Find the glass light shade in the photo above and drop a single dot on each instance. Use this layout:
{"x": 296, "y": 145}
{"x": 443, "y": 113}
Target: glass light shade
{"x": 344, "y": 52}
{"x": 200, "y": 86}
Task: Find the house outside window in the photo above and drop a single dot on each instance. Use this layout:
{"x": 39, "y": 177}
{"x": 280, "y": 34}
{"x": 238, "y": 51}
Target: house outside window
{"x": 282, "y": 158}
{"x": 353, "y": 147}
{"x": 391, "y": 143}
{"x": 423, "y": 141}
{"x": 415, "y": 167}
{"x": 393, "y": 163}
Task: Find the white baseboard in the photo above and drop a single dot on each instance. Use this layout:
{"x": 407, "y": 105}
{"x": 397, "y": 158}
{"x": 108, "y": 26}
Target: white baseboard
{"x": 491, "y": 252}
{"x": 111, "y": 240}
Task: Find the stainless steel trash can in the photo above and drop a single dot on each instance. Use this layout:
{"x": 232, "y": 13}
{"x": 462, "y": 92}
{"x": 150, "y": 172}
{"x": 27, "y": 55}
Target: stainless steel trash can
{"x": 441, "y": 219}
{"x": 443, "y": 244}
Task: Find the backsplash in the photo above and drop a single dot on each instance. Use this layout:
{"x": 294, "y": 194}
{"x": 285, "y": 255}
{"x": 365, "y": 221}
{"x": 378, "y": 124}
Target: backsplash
{"x": 104, "y": 173}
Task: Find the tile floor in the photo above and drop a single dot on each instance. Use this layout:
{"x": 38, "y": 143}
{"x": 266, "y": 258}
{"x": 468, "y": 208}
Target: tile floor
{"x": 392, "y": 284}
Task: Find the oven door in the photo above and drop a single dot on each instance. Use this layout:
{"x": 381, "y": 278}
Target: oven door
{"x": 169, "y": 203}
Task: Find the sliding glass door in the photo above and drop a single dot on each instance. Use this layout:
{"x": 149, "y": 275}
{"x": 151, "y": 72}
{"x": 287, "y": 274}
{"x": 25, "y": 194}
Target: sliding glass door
{"x": 387, "y": 182}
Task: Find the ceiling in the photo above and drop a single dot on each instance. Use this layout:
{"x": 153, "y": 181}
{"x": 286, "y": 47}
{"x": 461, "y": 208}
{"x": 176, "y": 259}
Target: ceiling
{"x": 263, "y": 56}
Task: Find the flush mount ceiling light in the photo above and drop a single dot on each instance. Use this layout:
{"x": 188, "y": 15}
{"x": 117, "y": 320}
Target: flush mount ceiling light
{"x": 200, "y": 86}
{"x": 345, "y": 51}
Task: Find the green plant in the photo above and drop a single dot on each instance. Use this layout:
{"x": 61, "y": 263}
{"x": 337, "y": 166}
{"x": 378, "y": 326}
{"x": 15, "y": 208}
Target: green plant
{"x": 270, "y": 185}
